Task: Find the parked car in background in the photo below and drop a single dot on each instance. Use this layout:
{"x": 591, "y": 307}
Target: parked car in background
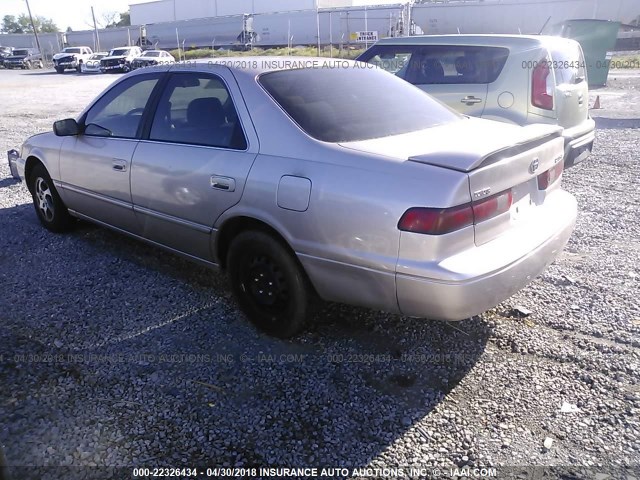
{"x": 92, "y": 64}
{"x": 25, "y": 58}
{"x": 310, "y": 177}
{"x": 153, "y": 57}
{"x": 4, "y": 53}
{"x": 119, "y": 59}
{"x": 517, "y": 79}
{"x": 71, "y": 58}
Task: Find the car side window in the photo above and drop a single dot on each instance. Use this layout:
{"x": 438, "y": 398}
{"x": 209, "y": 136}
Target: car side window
{"x": 119, "y": 111}
{"x": 441, "y": 64}
{"x": 196, "y": 108}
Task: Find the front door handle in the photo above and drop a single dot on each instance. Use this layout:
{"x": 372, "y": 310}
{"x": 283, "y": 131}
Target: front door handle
{"x": 227, "y": 184}
{"x": 470, "y": 100}
{"x": 119, "y": 165}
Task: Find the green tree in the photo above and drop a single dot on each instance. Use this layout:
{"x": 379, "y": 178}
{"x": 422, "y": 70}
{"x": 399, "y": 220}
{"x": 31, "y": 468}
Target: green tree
{"x": 124, "y": 19}
{"x": 10, "y": 25}
{"x": 22, "y": 24}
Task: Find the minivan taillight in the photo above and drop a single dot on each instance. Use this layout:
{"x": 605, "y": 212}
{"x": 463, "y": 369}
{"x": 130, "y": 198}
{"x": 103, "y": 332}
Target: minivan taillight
{"x": 547, "y": 178}
{"x": 439, "y": 221}
{"x": 541, "y": 96}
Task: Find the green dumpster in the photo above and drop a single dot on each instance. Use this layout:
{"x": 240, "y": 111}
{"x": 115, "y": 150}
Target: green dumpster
{"x": 597, "y": 37}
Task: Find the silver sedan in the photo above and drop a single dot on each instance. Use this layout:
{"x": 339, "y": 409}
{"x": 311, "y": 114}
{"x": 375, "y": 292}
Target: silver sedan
{"x": 306, "y": 178}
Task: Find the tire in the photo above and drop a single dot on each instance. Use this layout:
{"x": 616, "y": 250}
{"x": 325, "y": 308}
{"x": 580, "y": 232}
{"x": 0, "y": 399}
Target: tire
{"x": 59, "y": 69}
{"x": 50, "y": 210}
{"x": 268, "y": 283}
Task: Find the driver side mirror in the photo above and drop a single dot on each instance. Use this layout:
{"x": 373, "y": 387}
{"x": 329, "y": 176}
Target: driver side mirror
{"x": 66, "y": 128}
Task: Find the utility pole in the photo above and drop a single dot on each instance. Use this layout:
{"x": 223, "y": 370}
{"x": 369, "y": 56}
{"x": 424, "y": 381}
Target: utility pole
{"x": 33, "y": 25}
{"x": 95, "y": 29}
{"x": 318, "y": 25}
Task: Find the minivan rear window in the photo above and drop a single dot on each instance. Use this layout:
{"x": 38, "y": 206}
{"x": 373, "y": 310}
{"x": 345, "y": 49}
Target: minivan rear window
{"x": 439, "y": 64}
{"x": 568, "y": 63}
{"x": 353, "y": 102}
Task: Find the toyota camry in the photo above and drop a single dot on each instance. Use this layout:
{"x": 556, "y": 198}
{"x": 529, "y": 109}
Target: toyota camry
{"x": 310, "y": 178}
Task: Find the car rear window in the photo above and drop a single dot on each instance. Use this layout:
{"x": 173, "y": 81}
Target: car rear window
{"x": 439, "y": 64}
{"x": 353, "y": 103}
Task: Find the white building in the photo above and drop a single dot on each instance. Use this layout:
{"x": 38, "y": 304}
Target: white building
{"x": 172, "y": 10}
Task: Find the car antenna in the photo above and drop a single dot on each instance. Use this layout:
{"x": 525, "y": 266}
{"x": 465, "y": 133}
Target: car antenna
{"x": 543, "y": 26}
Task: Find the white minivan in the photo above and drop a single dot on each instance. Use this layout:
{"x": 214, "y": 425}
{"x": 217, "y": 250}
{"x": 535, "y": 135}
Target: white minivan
{"x": 520, "y": 79}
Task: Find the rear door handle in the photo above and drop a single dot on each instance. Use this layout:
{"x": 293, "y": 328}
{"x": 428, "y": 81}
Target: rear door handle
{"x": 470, "y": 100}
{"x": 227, "y": 184}
{"x": 119, "y": 165}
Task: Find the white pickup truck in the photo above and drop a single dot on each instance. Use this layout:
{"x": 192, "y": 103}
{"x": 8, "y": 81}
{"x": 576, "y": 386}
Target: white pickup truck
{"x": 71, "y": 58}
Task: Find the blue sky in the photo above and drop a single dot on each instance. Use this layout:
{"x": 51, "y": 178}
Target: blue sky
{"x": 65, "y": 13}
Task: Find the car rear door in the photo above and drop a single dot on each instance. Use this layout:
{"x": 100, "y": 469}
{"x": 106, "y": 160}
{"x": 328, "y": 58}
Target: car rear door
{"x": 193, "y": 162}
{"x": 457, "y": 75}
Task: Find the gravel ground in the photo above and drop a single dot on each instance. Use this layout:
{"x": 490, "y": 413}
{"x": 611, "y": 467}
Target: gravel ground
{"x": 114, "y": 353}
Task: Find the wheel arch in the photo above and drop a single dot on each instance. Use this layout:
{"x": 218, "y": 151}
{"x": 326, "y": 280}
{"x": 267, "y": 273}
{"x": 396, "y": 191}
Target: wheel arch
{"x": 234, "y": 226}
{"x": 29, "y": 165}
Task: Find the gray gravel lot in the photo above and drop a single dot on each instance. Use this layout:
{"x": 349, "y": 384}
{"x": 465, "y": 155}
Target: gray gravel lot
{"x": 116, "y": 353}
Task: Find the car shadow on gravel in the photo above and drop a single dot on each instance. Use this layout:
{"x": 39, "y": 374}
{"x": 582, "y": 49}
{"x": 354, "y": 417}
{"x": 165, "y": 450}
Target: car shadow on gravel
{"x": 7, "y": 182}
{"x": 604, "y": 123}
{"x": 194, "y": 382}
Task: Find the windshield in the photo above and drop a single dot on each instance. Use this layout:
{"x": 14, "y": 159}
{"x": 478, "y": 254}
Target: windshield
{"x": 98, "y": 56}
{"x": 353, "y": 103}
{"x": 119, "y": 52}
{"x": 71, "y": 50}
{"x": 151, "y": 54}
{"x": 21, "y": 52}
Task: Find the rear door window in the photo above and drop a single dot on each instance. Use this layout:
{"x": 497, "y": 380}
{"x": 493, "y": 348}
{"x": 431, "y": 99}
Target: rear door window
{"x": 440, "y": 64}
{"x": 197, "y": 109}
{"x": 568, "y": 63}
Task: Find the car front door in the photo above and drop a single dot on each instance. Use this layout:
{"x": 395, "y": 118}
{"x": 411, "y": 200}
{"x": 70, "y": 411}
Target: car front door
{"x": 95, "y": 166}
{"x": 194, "y": 160}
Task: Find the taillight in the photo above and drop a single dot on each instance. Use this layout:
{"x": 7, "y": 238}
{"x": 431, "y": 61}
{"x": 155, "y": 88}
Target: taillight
{"x": 541, "y": 86}
{"x": 492, "y": 206}
{"x": 438, "y": 221}
{"x": 547, "y": 178}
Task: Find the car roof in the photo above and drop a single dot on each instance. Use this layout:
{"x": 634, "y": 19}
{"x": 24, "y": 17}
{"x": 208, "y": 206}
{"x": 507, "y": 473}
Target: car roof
{"x": 253, "y": 66}
{"x": 475, "y": 39}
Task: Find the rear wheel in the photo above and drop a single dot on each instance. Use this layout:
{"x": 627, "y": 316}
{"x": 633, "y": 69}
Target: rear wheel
{"x": 268, "y": 283}
{"x": 51, "y": 211}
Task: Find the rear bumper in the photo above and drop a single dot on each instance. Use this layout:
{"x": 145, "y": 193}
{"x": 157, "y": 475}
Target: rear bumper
{"x": 482, "y": 277}
{"x": 578, "y": 142}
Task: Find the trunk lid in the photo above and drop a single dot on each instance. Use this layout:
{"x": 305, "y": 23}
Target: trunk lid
{"x": 495, "y": 156}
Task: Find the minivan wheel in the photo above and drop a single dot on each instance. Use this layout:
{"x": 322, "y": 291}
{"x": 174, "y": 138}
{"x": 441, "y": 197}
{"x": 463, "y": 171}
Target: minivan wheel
{"x": 268, "y": 283}
{"x": 51, "y": 211}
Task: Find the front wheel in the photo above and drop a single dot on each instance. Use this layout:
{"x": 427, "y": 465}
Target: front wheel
{"x": 268, "y": 283}
{"x": 51, "y": 211}
{"x": 60, "y": 69}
